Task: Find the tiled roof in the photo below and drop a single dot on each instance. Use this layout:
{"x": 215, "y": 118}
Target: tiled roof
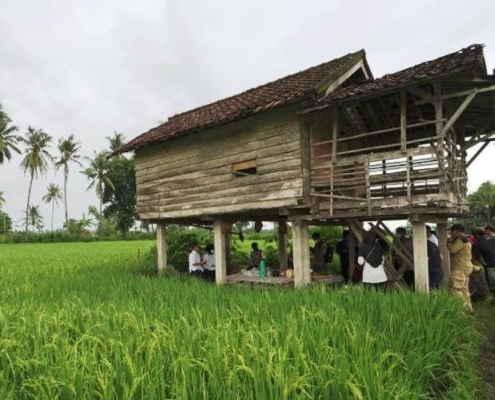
{"x": 465, "y": 59}
{"x": 274, "y": 94}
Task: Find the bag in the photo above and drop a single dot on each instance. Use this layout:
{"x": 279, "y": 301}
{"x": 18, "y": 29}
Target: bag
{"x": 329, "y": 253}
{"x": 367, "y": 255}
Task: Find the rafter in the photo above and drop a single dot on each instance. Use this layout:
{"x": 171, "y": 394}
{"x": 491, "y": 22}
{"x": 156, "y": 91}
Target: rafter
{"x": 459, "y": 111}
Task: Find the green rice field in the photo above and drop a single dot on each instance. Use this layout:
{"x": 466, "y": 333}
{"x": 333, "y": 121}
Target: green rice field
{"x": 78, "y": 321}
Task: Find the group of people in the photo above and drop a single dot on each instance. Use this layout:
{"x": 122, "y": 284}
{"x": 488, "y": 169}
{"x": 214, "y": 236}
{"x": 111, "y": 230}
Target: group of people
{"x": 202, "y": 267}
{"x": 479, "y": 248}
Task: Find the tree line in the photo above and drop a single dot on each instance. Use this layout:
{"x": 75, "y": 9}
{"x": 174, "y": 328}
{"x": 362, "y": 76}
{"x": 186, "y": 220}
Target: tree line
{"x": 110, "y": 175}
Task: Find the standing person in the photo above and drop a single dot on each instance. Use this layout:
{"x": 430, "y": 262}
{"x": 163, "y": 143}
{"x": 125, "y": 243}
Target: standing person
{"x": 405, "y": 270}
{"x": 430, "y": 235}
{"x": 371, "y": 257}
{"x": 460, "y": 264}
{"x": 256, "y": 256}
{"x": 195, "y": 263}
{"x": 484, "y": 251}
{"x": 435, "y": 271}
{"x": 343, "y": 252}
{"x": 319, "y": 251}
{"x": 209, "y": 262}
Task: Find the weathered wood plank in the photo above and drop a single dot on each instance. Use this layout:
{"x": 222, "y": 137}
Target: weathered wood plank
{"x": 208, "y": 144}
{"x": 222, "y": 196}
{"x": 185, "y": 188}
{"x": 156, "y": 213}
{"x": 222, "y": 157}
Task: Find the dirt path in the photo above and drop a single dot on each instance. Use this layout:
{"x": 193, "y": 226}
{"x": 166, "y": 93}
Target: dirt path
{"x": 485, "y": 323}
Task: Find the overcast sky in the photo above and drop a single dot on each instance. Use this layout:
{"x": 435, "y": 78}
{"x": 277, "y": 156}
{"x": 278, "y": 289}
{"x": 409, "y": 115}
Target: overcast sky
{"x": 92, "y": 67}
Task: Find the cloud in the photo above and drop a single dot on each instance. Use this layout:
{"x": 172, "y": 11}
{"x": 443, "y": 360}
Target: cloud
{"x": 92, "y": 67}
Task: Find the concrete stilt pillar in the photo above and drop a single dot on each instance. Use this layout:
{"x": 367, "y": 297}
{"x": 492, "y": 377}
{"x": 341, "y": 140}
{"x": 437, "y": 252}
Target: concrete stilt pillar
{"x": 220, "y": 252}
{"x": 282, "y": 244}
{"x": 443, "y": 235}
{"x": 161, "y": 246}
{"x": 420, "y": 257}
{"x": 300, "y": 240}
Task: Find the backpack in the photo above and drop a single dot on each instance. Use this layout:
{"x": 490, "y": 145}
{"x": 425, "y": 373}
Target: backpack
{"x": 329, "y": 253}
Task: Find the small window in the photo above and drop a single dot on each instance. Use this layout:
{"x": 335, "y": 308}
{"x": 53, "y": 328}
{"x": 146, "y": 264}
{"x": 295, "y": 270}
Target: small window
{"x": 245, "y": 168}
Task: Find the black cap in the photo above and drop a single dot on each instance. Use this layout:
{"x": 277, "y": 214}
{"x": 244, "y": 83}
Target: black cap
{"x": 457, "y": 227}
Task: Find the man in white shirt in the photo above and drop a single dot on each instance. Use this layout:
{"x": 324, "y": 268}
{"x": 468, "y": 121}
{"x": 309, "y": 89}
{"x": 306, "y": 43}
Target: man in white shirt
{"x": 195, "y": 263}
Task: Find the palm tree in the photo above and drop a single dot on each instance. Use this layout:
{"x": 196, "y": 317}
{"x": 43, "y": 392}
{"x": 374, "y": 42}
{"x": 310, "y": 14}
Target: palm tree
{"x": 36, "y": 157}
{"x": 8, "y": 141}
{"x": 116, "y": 141}
{"x": 2, "y": 199}
{"x": 69, "y": 152}
{"x": 34, "y": 218}
{"x": 53, "y": 195}
{"x": 97, "y": 174}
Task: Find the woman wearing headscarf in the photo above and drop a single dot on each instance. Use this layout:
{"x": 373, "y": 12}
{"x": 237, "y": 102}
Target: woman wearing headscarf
{"x": 371, "y": 258}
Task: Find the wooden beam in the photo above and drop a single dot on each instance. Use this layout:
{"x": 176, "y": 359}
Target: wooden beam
{"x": 477, "y": 154}
{"x": 220, "y": 253}
{"x": 342, "y": 78}
{"x": 421, "y": 276}
{"x": 442, "y": 245}
{"x": 282, "y": 244}
{"x": 453, "y": 119}
{"x": 421, "y": 93}
{"x": 161, "y": 246}
{"x": 335, "y": 133}
{"x": 403, "y": 121}
{"x": 456, "y": 94}
{"x": 300, "y": 243}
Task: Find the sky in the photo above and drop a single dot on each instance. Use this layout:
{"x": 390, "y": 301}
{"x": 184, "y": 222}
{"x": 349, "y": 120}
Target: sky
{"x": 93, "y": 67}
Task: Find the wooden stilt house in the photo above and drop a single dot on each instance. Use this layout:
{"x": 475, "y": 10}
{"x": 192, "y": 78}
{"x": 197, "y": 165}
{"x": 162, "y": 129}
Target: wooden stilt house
{"x": 328, "y": 145}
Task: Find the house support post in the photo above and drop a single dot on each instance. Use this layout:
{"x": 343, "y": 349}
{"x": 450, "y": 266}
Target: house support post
{"x": 442, "y": 244}
{"x": 219, "y": 232}
{"x": 161, "y": 245}
{"x": 420, "y": 256}
{"x": 282, "y": 244}
{"x": 228, "y": 246}
{"x": 300, "y": 242}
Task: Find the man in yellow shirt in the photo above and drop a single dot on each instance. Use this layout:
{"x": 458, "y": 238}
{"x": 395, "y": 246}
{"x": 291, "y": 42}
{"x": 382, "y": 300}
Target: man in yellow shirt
{"x": 460, "y": 264}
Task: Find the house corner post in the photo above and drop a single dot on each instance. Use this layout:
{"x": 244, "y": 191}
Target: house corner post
{"x": 282, "y": 245}
{"x": 421, "y": 277}
{"x": 161, "y": 246}
{"x": 300, "y": 240}
{"x": 220, "y": 252}
{"x": 442, "y": 244}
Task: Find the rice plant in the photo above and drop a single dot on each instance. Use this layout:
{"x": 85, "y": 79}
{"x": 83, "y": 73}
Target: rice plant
{"x": 78, "y": 322}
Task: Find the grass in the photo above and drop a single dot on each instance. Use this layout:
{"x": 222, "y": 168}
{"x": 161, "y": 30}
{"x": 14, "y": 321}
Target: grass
{"x": 77, "y": 321}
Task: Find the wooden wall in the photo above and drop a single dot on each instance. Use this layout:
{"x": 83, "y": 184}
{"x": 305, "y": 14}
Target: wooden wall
{"x": 192, "y": 175}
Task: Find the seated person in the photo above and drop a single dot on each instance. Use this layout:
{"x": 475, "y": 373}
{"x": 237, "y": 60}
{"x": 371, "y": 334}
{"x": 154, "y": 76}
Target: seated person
{"x": 209, "y": 262}
{"x": 256, "y": 256}
{"x": 195, "y": 263}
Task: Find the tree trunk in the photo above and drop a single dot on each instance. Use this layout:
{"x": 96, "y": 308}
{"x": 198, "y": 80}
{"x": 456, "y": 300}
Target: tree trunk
{"x": 66, "y": 175}
{"x": 53, "y": 210}
{"x": 29, "y": 198}
{"x": 101, "y": 215}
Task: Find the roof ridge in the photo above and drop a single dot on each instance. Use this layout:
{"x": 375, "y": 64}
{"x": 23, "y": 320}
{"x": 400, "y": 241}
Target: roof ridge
{"x": 445, "y": 56}
{"x": 453, "y": 62}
